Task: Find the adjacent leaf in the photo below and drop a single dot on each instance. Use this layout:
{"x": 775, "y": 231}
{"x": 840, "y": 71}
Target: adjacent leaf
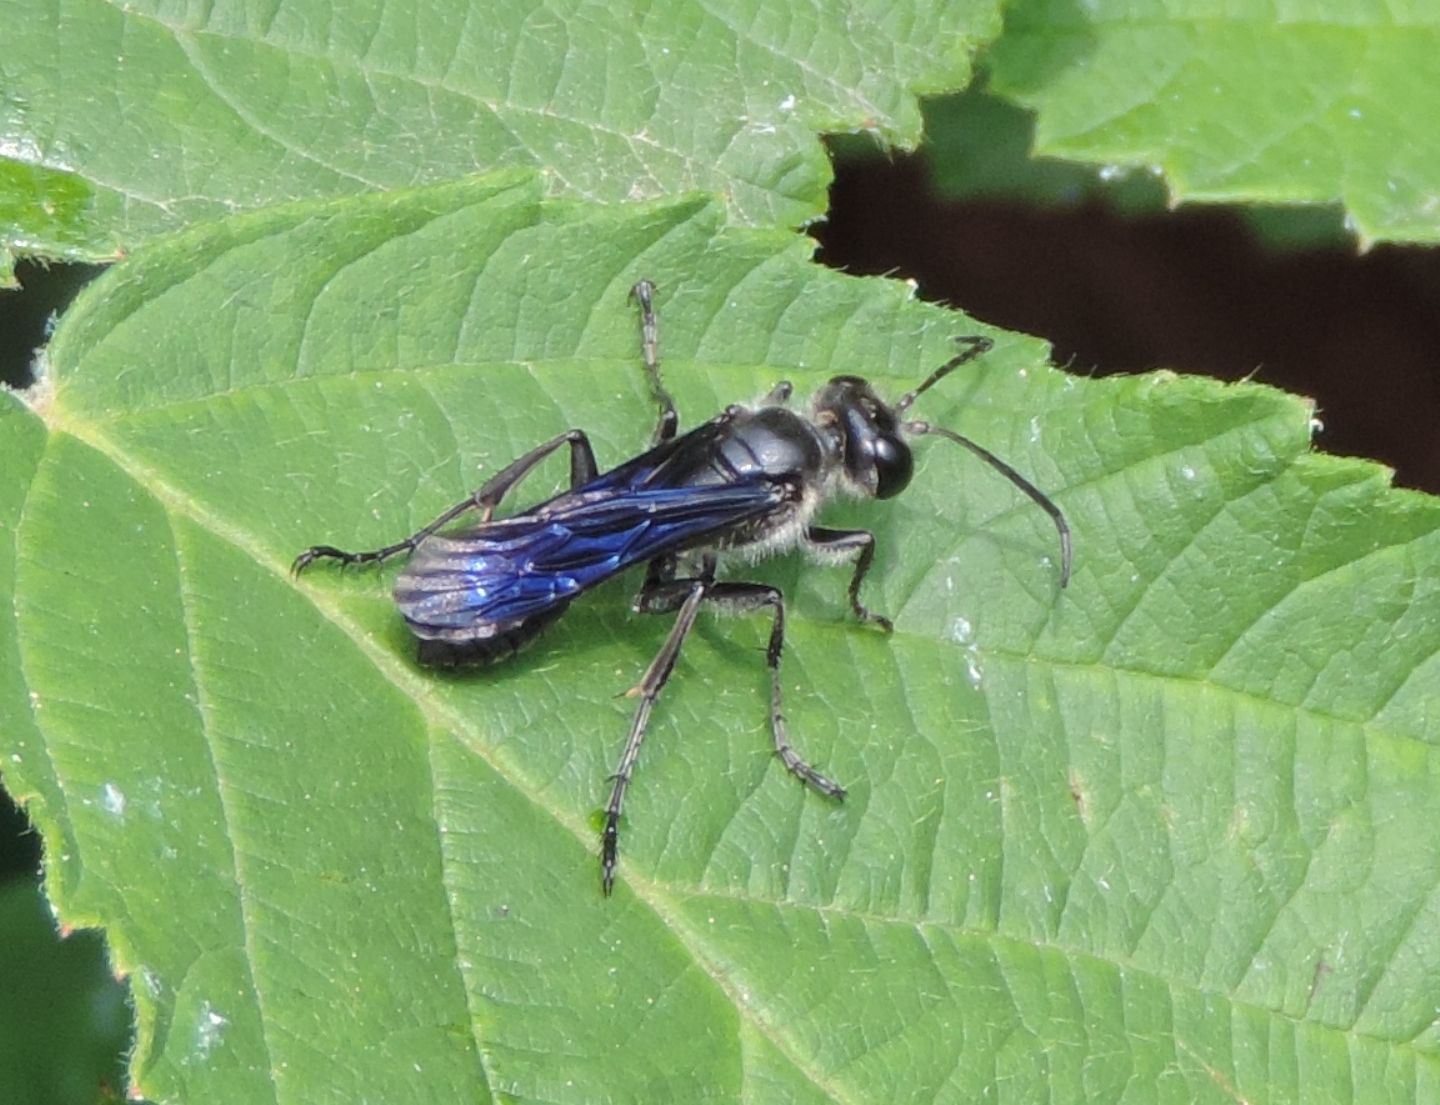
{"x": 146, "y": 117}
{"x": 43, "y": 211}
{"x": 978, "y": 147}
{"x": 1313, "y": 102}
{"x": 1170, "y": 834}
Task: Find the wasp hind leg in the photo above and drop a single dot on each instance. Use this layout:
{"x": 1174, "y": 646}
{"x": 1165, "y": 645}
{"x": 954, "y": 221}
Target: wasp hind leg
{"x": 660, "y": 595}
{"x": 686, "y": 595}
{"x": 489, "y": 496}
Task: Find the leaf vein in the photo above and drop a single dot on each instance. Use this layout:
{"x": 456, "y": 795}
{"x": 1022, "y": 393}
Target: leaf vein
{"x": 223, "y": 788}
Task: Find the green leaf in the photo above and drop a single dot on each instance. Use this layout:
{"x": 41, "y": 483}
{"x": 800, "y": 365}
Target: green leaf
{"x": 45, "y": 212}
{"x": 1169, "y": 834}
{"x": 1311, "y": 103}
{"x": 146, "y": 117}
{"x": 63, "y": 1019}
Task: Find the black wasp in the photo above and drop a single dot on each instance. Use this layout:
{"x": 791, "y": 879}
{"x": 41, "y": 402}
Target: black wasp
{"x": 750, "y": 479}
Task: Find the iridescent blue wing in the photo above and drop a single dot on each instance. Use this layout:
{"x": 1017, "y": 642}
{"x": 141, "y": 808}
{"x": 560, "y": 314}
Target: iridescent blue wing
{"x": 480, "y": 582}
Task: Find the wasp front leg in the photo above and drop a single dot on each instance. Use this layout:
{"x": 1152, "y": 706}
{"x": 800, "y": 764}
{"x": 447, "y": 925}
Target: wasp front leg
{"x": 843, "y": 542}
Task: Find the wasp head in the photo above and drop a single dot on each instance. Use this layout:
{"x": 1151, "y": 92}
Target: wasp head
{"x": 867, "y": 431}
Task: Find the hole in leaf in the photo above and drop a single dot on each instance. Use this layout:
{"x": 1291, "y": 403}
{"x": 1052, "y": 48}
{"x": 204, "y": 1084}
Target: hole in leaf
{"x": 27, "y": 315}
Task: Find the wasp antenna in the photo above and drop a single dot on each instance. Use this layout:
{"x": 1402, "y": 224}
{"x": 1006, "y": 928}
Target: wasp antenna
{"x": 971, "y": 346}
{"x": 1039, "y": 497}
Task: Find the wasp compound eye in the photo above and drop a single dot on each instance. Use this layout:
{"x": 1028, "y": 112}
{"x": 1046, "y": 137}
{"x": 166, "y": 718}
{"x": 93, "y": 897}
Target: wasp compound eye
{"x": 894, "y": 465}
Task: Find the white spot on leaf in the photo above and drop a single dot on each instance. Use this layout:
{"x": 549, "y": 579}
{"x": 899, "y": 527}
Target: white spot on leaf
{"x": 209, "y": 1030}
{"x": 114, "y": 800}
